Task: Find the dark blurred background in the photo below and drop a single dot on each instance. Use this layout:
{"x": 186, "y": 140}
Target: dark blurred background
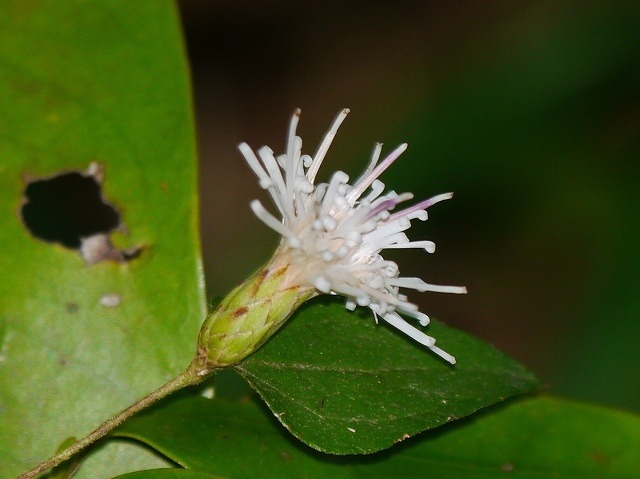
{"x": 528, "y": 110}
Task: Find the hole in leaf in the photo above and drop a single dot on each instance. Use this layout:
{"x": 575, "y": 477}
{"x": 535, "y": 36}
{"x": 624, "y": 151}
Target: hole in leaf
{"x": 70, "y": 209}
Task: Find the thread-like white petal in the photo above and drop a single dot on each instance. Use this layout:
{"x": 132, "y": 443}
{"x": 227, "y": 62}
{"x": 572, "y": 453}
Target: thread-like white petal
{"x": 324, "y": 146}
{"x": 436, "y": 288}
{"x": 414, "y": 333}
{"x": 428, "y": 246}
{"x": 254, "y": 163}
{"x": 270, "y": 220}
{"x": 364, "y": 182}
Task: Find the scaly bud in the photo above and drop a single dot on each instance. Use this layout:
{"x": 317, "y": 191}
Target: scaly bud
{"x": 251, "y": 314}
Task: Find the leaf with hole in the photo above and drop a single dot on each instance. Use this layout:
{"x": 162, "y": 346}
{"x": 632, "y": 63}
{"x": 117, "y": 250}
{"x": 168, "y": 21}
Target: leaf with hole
{"x": 98, "y": 94}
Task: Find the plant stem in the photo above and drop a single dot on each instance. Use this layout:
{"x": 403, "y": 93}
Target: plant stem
{"x": 197, "y": 372}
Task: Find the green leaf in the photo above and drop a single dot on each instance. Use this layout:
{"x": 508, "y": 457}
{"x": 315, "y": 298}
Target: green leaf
{"x": 169, "y": 474}
{"x": 238, "y": 440}
{"x": 106, "y": 82}
{"x": 533, "y": 438}
{"x": 344, "y": 385}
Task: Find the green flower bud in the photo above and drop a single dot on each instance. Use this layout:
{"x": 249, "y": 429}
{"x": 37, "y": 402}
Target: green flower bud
{"x": 250, "y": 315}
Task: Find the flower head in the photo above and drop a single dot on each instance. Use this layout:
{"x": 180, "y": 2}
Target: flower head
{"x": 333, "y": 233}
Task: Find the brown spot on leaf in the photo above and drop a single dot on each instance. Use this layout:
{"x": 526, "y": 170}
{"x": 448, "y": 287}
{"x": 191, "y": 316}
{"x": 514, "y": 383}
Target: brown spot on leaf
{"x": 600, "y": 457}
{"x": 72, "y": 308}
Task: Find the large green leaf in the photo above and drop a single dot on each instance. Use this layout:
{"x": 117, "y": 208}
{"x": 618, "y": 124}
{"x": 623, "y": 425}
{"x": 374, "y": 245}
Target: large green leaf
{"x": 106, "y": 82}
{"x": 531, "y": 439}
{"x": 344, "y": 385}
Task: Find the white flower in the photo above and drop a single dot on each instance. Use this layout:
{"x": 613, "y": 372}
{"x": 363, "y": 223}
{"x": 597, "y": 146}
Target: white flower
{"x": 333, "y": 233}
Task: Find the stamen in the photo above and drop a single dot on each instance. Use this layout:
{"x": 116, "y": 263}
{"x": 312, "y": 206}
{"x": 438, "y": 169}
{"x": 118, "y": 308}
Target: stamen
{"x": 322, "y": 284}
{"x": 329, "y": 223}
{"x": 375, "y": 156}
{"x": 350, "y": 304}
{"x": 423, "y": 319}
{"x": 324, "y": 146}
{"x": 389, "y": 204}
{"x": 338, "y": 178}
{"x": 294, "y": 144}
{"x": 423, "y": 205}
{"x": 253, "y": 162}
{"x": 377, "y": 187}
{"x": 364, "y": 183}
{"x": 268, "y": 219}
{"x": 443, "y": 289}
{"x": 306, "y": 160}
{"x": 443, "y": 354}
{"x": 428, "y": 246}
{"x": 414, "y": 333}
{"x": 417, "y": 215}
{"x": 270, "y": 162}
{"x": 411, "y": 283}
{"x": 387, "y": 230}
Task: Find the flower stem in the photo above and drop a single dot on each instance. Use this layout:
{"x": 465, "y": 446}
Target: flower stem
{"x": 197, "y": 372}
